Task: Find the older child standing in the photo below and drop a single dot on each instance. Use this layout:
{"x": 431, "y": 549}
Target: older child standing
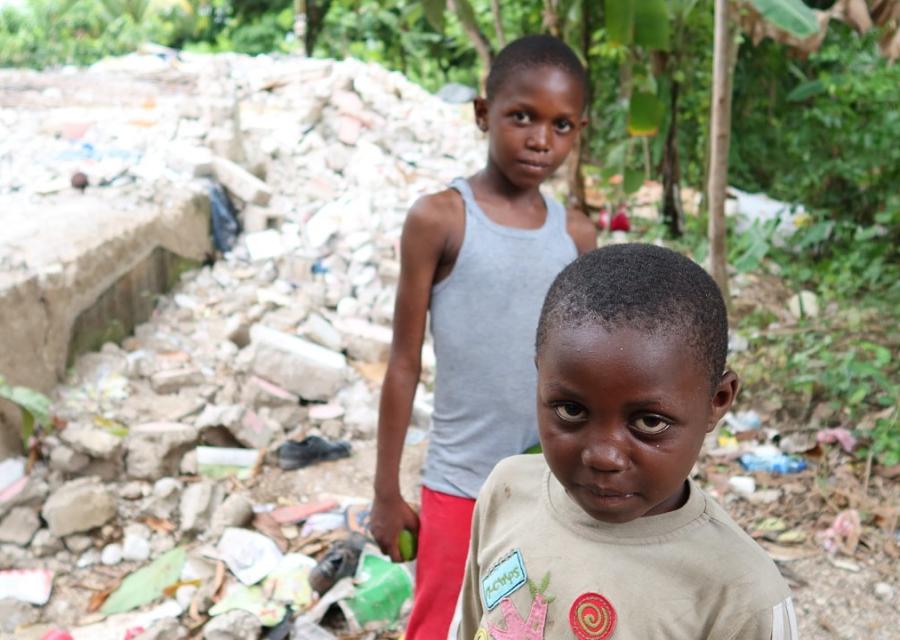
{"x": 480, "y": 256}
{"x": 605, "y": 536}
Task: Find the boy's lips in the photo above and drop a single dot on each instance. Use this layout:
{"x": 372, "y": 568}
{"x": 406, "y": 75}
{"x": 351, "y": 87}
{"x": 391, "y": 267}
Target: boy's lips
{"x": 534, "y": 165}
{"x": 607, "y": 492}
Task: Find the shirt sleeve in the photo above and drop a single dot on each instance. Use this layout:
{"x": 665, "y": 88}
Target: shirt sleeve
{"x": 777, "y": 623}
{"x": 468, "y": 607}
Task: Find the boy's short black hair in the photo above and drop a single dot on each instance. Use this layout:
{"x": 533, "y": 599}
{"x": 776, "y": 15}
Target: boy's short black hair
{"x": 644, "y": 287}
{"x": 530, "y": 52}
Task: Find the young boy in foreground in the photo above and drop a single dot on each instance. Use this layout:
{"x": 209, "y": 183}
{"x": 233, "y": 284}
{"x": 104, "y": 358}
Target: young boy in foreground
{"x": 605, "y": 535}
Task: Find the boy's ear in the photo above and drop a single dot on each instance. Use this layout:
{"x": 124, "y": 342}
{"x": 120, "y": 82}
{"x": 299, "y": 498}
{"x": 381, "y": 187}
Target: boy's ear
{"x": 583, "y": 123}
{"x": 481, "y": 111}
{"x": 723, "y": 397}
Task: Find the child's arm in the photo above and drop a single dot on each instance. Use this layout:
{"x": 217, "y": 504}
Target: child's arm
{"x": 422, "y": 247}
{"x": 581, "y": 230}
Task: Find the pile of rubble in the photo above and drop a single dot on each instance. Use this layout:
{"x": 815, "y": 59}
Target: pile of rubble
{"x": 155, "y": 479}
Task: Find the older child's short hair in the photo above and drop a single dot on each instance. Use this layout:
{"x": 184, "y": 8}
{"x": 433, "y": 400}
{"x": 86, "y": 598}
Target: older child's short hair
{"x": 644, "y": 287}
{"x": 530, "y": 52}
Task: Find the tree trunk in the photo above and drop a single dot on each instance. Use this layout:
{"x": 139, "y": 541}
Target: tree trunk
{"x": 479, "y": 41}
{"x": 575, "y": 175}
{"x": 551, "y": 18}
{"x": 672, "y": 211}
{"x": 724, "y": 56}
{"x": 498, "y": 23}
{"x": 313, "y": 12}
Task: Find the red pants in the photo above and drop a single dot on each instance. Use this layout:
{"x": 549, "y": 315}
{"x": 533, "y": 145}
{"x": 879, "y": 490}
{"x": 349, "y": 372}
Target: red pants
{"x": 445, "y": 524}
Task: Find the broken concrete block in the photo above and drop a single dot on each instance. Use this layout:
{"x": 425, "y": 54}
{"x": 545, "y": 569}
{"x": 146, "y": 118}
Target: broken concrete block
{"x": 234, "y": 625}
{"x": 172, "y": 380}
{"x": 79, "y": 505}
{"x": 260, "y": 218}
{"x": 304, "y": 368}
{"x": 241, "y": 182}
{"x": 45, "y": 543}
{"x": 258, "y": 393}
{"x": 19, "y": 526}
{"x": 322, "y": 332}
{"x": 196, "y": 162}
{"x": 155, "y": 449}
{"x": 15, "y": 613}
{"x": 220, "y": 416}
{"x": 198, "y": 503}
{"x": 253, "y": 431}
{"x": 365, "y": 341}
{"x": 91, "y": 441}
{"x": 164, "y": 629}
{"x": 236, "y": 511}
{"x": 67, "y": 460}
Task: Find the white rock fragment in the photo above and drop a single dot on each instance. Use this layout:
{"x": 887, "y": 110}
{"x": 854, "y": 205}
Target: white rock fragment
{"x": 241, "y": 182}
{"x": 304, "y": 368}
{"x": 154, "y": 449}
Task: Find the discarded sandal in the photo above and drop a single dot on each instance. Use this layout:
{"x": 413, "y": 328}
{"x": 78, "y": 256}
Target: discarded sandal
{"x": 296, "y": 455}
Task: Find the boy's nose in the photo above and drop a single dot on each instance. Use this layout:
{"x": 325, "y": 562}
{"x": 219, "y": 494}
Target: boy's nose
{"x": 605, "y": 454}
{"x": 539, "y": 138}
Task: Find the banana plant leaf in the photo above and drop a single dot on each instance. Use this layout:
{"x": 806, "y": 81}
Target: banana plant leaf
{"x": 789, "y": 15}
{"x": 651, "y": 24}
{"x": 619, "y": 16}
{"x": 645, "y": 112}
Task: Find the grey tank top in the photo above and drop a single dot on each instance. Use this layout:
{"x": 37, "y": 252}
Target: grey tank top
{"x": 483, "y": 319}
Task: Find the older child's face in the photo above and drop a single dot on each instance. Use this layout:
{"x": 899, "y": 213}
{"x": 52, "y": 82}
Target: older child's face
{"x": 532, "y": 123}
{"x": 622, "y": 416}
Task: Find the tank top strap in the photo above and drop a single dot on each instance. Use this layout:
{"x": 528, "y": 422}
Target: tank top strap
{"x": 556, "y": 213}
{"x": 461, "y": 185}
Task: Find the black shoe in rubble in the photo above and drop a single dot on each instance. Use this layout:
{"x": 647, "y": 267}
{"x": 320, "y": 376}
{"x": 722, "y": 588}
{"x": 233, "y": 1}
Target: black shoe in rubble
{"x": 340, "y": 562}
{"x": 296, "y": 455}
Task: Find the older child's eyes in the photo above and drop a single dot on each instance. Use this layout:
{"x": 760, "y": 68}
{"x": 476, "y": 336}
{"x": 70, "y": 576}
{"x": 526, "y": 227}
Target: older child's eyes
{"x": 563, "y": 126}
{"x": 651, "y": 425}
{"x": 521, "y": 117}
{"x": 570, "y": 412}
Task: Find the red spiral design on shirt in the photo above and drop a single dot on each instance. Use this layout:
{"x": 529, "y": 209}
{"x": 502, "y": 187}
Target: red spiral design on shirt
{"x": 592, "y": 617}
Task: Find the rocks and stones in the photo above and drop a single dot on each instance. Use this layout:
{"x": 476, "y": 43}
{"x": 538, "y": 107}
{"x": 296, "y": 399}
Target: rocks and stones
{"x": 309, "y": 370}
{"x": 804, "y": 305}
{"x": 884, "y": 591}
{"x": 173, "y": 380}
{"x": 78, "y": 543}
{"x": 67, "y": 460}
{"x": 155, "y": 449}
{"x": 14, "y": 613}
{"x": 241, "y": 182}
{"x": 78, "y": 506}
{"x": 234, "y": 625}
{"x": 164, "y": 629}
{"x": 19, "y": 526}
{"x": 111, "y": 554}
{"x": 166, "y": 494}
{"x": 235, "y": 511}
{"x": 45, "y": 543}
{"x": 136, "y": 543}
{"x": 91, "y": 441}
{"x": 365, "y": 341}
{"x": 198, "y": 504}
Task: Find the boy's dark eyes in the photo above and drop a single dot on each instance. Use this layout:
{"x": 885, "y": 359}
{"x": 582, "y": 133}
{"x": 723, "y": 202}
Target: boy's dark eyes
{"x": 563, "y": 125}
{"x": 570, "y": 412}
{"x": 650, "y": 425}
{"x": 521, "y": 117}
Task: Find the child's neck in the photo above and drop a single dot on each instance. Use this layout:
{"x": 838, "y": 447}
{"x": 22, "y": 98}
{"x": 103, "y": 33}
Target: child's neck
{"x": 506, "y": 203}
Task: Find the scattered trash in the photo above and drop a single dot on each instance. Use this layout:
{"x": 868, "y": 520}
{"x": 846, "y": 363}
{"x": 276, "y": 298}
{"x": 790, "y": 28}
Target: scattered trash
{"x": 743, "y": 421}
{"x": 27, "y": 585}
{"x": 843, "y": 534}
{"x": 225, "y": 225}
{"x": 841, "y": 435}
{"x": 218, "y": 462}
{"x": 312, "y": 449}
{"x": 383, "y": 589}
{"x": 252, "y": 599}
{"x": 250, "y": 556}
{"x": 300, "y": 512}
{"x": 742, "y": 485}
{"x": 146, "y": 584}
{"x": 12, "y": 478}
{"x": 341, "y": 561}
{"x": 771, "y": 459}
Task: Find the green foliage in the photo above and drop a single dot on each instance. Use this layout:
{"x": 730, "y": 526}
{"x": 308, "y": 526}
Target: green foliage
{"x": 34, "y": 406}
{"x": 823, "y": 131}
{"x": 789, "y": 15}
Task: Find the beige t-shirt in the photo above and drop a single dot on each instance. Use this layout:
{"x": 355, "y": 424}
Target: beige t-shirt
{"x": 540, "y": 567}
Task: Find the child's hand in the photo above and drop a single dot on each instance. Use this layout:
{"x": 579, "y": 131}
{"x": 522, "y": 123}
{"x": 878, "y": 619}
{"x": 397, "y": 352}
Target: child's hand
{"x": 389, "y": 517}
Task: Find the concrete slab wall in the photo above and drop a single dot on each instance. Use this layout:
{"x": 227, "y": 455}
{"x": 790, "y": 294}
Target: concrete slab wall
{"x": 73, "y": 254}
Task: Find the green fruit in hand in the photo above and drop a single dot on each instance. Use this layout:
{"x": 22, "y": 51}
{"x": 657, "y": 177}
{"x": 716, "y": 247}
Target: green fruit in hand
{"x": 407, "y": 543}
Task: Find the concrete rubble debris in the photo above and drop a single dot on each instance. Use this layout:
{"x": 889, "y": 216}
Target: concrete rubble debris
{"x": 14, "y": 613}
{"x": 155, "y": 449}
{"x": 234, "y": 625}
{"x": 284, "y": 336}
{"x": 77, "y": 506}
